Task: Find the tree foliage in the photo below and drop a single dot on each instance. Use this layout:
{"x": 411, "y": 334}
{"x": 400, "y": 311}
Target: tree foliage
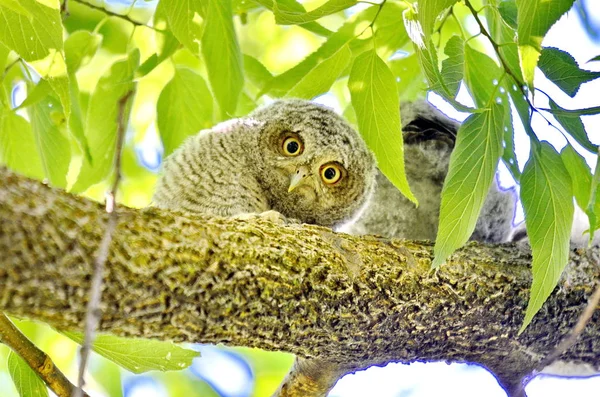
{"x": 65, "y": 66}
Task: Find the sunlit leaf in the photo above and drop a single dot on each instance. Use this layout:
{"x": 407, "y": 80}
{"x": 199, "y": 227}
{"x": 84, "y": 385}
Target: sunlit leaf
{"x": 26, "y": 381}
{"x": 101, "y": 121}
{"x": 561, "y": 68}
{"x": 256, "y": 72}
{"x": 319, "y": 80}
{"x": 574, "y": 126}
{"x": 284, "y": 82}
{"x": 184, "y": 18}
{"x": 409, "y": 76}
{"x": 375, "y": 100}
{"x": 49, "y": 128}
{"x": 140, "y": 355}
{"x": 429, "y": 11}
{"x": 453, "y": 66}
{"x": 580, "y": 173}
{"x": 285, "y": 16}
{"x": 472, "y": 168}
{"x": 16, "y": 6}
{"x": 184, "y": 108}
{"x": 482, "y": 76}
{"x": 508, "y": 11}
{"x": 223, "y": 57}
{"x": 534, "y": 18}
{"x": 37, "y": 34}
{"x": 80, "y": 47}
{"x": 547, "y": 195}
{"x": 168, "y": 48}
{"x": 18, "y": 148}
{"x": 295, "y": 7}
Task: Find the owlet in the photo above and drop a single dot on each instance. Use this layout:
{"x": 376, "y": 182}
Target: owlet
{"x": 429, "y": 138}
{"x": 292, "y": 156}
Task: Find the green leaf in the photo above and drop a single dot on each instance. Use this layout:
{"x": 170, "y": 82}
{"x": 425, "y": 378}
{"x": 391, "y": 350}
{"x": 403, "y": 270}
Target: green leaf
{"x": 184, "y": 18}
{"x": 453, "y": 66}
{"x": 561, "y": 68}
{"x": 256, "y": 72}
{"x": 49, "y": 128}
{"x": 37, "y": 35}
{"x": 375, "y": 100}
{"x": 508, "y": 11}
{"x": 320, "y": 79}
{"x": 285, "y": 16}
{"x": 80, "y": 47}
{"x": 223, "y": 56}
{"x": 184, "y": 108}
{"x": 534, "y": 19}
{"x": 482, "y": 76}
{"x": 595, "y": 59}
{"x": 593, "y": 208}
{"x": 295, "y": 7}
{"x": 27, "y": 383}
{"x": 429, "y": 11}
{"x": 472, "y": 168}
{"x": 429, "y": 64}
{"x": 16, "y": 7}
{"x": 4, "y": 51}
{"x": 581, "y": 175}
{"x": 574, "y": 126}
{"x": 168, "y": 48}
{"x": 101, "y": 122}
{"x": 409, "y": 76}
{"x": 140, "y": 355}
{"x": 284, "y": 82}
{"x": 547, "y": 195}
{"x": 18, "y": 149}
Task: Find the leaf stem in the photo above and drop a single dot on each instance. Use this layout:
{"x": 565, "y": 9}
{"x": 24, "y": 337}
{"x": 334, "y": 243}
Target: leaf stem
{"x": 37, "y": 360}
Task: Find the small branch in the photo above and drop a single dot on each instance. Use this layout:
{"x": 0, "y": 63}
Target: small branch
{"x": 567, "y": 342}
{"x": 114, "y": 14}
{"x": 64, "y": 9}
{"x": 39, "y": 361}
{"x": 93, "y": 312}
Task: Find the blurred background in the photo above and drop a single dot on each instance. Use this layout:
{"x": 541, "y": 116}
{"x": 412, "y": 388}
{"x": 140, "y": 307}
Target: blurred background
{"x": 242, "y": 372}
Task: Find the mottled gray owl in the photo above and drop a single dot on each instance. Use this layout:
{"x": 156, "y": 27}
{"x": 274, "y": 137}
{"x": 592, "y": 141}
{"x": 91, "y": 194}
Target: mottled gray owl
{"x": 292, "y": 156}
{"x": 429, "y": 138}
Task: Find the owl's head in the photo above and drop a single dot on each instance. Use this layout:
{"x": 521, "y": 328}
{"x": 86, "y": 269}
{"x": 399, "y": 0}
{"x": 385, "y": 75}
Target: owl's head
{"x": 312, "y": 164}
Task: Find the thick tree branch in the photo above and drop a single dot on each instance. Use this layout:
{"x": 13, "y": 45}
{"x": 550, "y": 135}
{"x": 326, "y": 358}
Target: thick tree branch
{"x": 297, "y": 288}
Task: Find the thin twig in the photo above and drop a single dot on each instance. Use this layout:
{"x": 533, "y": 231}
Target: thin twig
{"x": 39, "y": 361}
{"x": 64, "y": 9}
{"x": 93, "y": 313}
{"x": 114, "y": 14}
{"x": 568, "y": 341}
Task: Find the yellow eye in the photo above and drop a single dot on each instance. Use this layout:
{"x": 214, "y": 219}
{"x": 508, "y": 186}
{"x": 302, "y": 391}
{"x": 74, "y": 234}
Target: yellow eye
{"x": 292, "y": 146}
{"x": 332, "y": 173}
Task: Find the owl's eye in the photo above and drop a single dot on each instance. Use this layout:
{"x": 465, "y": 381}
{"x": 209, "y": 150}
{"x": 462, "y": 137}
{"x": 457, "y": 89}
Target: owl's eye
{"x": 332, "y": 173}
{"x": 292, "y": 145}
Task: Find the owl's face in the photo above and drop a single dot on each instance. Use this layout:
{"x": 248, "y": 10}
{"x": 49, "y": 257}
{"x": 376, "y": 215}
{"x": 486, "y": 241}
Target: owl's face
{"x": 312, "y": 164}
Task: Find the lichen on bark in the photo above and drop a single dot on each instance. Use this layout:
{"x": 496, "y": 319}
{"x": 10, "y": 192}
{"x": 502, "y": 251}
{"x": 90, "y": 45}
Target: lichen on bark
{"x": 297, "y": 288}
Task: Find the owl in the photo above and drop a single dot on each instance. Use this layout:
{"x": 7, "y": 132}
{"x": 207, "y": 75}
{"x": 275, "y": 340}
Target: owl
{"x": 429, "y": 137}
{"x": 293, "y": 156}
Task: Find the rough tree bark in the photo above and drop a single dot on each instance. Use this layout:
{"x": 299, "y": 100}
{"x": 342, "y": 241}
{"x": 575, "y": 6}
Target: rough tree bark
{"x": 298, "y": 288}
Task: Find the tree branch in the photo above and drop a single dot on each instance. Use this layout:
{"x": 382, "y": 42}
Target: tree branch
{"x": 37, "y": 360}
{"x": 299, "y": 288}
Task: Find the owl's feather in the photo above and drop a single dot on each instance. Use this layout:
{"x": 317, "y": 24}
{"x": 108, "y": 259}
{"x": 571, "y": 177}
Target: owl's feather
{"x": 239, "y": 167}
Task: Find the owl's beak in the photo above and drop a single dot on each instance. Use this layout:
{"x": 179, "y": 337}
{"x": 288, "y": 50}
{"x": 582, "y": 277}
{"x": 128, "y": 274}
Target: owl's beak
{"x": 298, "y": 178}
